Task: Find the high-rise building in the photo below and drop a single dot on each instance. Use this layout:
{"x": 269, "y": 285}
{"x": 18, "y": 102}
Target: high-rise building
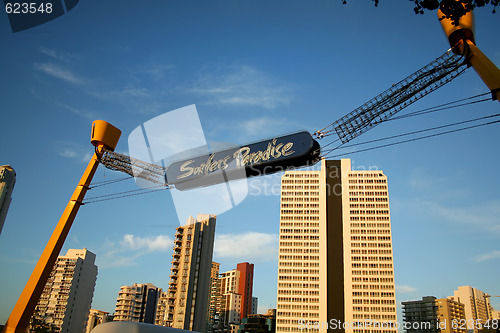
{"x": 214, "y": 304}
{"x": 65, "y": 302}
{"x": 185, "y": 305}
{"x": 229, "y": 312}
{"x": 477, "y": 306}
{"x": 7, "y": 182}
{"x": 431, "y": 315}
{"x": 97, "y": 317}
{"x": 245, "y": 287}
{"x": 335, "y": 260}
{"x": 137, "y": 303}
{"x": 450, "y": 312}
{"x": 255, "y": 305}
{"x": 235, "y": 297}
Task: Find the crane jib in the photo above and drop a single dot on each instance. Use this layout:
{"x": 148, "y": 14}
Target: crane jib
{"x": 260, "y": 158}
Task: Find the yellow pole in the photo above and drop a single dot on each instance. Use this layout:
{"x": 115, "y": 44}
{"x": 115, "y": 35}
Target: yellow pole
{"x": 487, "y": 71}
{"x": 104, "y": 136}
{"x": 462, "y": 41}
{"x": 23, "y": 310}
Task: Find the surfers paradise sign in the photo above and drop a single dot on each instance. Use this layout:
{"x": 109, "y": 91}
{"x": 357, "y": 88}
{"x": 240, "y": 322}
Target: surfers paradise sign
{"x": 255, "y": 159}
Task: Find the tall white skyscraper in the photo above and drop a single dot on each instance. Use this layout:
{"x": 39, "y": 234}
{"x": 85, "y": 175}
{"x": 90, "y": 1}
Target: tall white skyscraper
{"x": 335, "y": 251}
{"x": 65, "y": 302}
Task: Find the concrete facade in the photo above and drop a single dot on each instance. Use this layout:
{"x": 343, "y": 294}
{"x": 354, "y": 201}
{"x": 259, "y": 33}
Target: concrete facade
{"x": 97, "y": 317}
{"x": 64, "y": 305}
{"x": 215, "y": 302}
{"x": 433, "y": 315}
{"x": 477, "y": 306}
{"x": 137, "y": 303}
{"x": 335, "y": 252}
{"x": 7, "y": 182}
{"x": 449, "y": 312}
{"x": 245, "y": 287}
{"x": 186, "y": 303}
{"x": 233, "y": 298}
{"x": 255, "y": 305}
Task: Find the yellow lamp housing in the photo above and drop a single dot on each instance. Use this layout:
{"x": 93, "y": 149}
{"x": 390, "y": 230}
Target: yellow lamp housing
{"x": 456, "y": 33}
{"x": 103, "y": 133}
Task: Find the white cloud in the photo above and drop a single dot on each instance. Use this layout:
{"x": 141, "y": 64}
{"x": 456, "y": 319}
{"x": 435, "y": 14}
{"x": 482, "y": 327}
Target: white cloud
{"x": 68, "y": 153}
{"x": 77, "y": 153}
{"x": 148, "y": 244}
{"x": 78, "y": 112}
{"x": 130, "y": 248}
{"x": 482, "y": 216}
{"x": 156, "y": 71}
{"x": 58, "y": 72}
{"x": 488, "y": 256}
{"x": 250, "y": 246}
{"x": 421, "y": 179}
{"x": 253, "y": 129}
{"x": 51, "y": 53}
{"x": 262, "y": 125}
{"x": 405, "y": 289}
{"x": 242, "y": 86}
{"x": 135, "y": 92}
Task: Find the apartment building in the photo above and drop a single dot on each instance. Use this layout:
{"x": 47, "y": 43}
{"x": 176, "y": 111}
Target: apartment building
{"x": 214, "y": 299}
{"x": 335, "y": 252}
{"x": 64, "y": 305}
{"x": 433, "y": 315}
{"x": 477, "y": 306}
{"x": 137, "y": 303}
{"x": 97, "y": 317}
{"x": 185, "y": 305}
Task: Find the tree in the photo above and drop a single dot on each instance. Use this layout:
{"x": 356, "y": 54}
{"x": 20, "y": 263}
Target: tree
{"x": 452, "y": 9}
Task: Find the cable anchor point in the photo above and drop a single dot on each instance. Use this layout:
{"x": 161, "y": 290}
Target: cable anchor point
{"x": 319, "y": 135}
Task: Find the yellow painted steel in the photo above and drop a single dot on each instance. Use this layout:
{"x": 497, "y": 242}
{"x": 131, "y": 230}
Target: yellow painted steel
{"x": 19, "y": 318}
{"x": 487, "y": 71}
{"x": 104, "y": 133}
{"x": 461, "y": 38}
{"x": 455, "y": 33}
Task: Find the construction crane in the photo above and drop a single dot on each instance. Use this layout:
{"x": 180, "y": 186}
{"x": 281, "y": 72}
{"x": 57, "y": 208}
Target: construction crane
{"x": 463, "y": 53}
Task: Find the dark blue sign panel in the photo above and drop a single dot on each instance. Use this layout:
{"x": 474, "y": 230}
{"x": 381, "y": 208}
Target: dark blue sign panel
{"x": 255, "y": 159}
{"x": 30, "y": 13}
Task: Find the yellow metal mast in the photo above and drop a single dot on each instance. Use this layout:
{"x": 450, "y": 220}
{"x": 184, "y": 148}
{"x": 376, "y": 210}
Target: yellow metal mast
{"x": 461, "y": 38}
{"x": 104, "y": 135}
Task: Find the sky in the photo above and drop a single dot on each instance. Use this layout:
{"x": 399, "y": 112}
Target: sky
{"x": 254, "y": 70}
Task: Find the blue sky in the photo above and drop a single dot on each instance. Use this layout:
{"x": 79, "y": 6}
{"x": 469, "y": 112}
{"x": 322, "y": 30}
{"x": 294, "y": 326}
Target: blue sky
{"x": 254, "y": 69}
